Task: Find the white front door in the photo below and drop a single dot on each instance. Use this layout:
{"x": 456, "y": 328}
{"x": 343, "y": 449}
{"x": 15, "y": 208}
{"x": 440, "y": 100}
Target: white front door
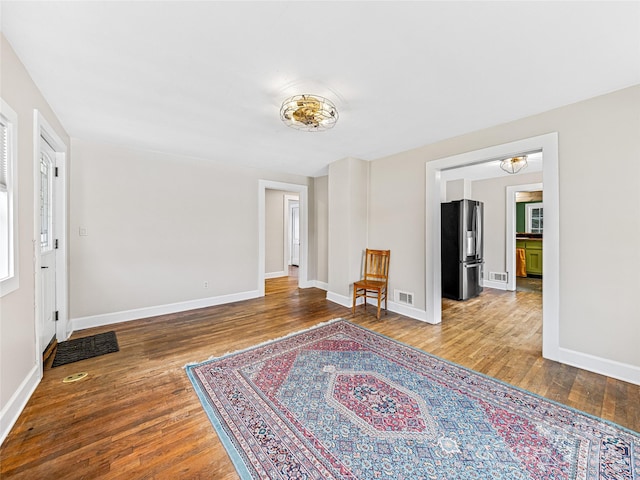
{"x": 47, "y": 273}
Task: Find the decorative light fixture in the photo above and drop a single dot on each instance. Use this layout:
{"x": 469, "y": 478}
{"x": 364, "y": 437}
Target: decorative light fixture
{"x": 310, "y": 113}
{"x": 514, "y": 164}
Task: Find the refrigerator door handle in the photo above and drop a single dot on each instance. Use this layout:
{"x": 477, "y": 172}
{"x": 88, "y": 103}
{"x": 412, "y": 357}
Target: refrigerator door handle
{"x": 474, "y": 232}
{"x": 479, "y": 232}
{"x": 473, "y": 265}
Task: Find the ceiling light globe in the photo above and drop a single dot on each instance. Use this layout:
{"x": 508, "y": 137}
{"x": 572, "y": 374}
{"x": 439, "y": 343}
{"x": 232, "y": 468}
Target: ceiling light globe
{"x": 514, "y": 164}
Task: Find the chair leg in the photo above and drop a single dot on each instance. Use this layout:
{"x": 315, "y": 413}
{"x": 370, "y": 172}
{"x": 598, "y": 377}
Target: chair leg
{"x": 353, "y": 307}
{"x": 386, "y": 298}
{"x": 379, "y": 299}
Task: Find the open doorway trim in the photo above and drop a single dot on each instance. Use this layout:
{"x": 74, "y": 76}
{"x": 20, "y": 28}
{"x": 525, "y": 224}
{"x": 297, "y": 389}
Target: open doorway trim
{"x": 510, "y": 241}
{"x": 548, "y": 143}
{"x": 302, "y": 191}
{"x": 42, "y": 128}
{"x": 289, "y": 200}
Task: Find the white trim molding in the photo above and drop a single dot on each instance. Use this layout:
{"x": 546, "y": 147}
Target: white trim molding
{"x": 496, "y": 285}
{"x": 42, "y": 128}
{"x": 286, "y": 211}
{"x": 603, "y": 366}
{"x": 548, "y": 144}
{"x": 302, "y": 191}
{"x": 12, "y": 281}
{"x": 340, "y": 299}
{"x": 276, "y": 274}
{"x": 12, "y": 410}
{"x": 394, "y": 307}
{"x": 82, "y": 323}
{"x": 510, "y": 240}
{"x": 405, "y": 310}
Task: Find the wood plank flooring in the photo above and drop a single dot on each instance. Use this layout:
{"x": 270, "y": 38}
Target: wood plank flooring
{"x": 136, "y": 416}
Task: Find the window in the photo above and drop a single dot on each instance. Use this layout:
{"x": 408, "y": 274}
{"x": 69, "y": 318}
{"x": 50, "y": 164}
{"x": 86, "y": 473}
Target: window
{"x": 47, "y": 166}
{"x": 535, "y": 217}
{"x": 8, "y": 199}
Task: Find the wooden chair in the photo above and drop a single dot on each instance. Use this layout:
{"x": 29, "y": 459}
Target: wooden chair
{"x": 375, "y": 280}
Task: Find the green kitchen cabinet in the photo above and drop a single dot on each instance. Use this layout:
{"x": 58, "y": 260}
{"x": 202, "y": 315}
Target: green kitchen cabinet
{"x": 533, "y": 255}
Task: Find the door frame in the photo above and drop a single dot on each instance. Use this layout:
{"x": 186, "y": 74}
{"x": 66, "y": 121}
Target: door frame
{"x": 510, "y": 241}
{"x": 548, "y": 143}
{"x": 288, "y": 203}
{"x": 42, "y": 128}
{"x": 302, "y": 191}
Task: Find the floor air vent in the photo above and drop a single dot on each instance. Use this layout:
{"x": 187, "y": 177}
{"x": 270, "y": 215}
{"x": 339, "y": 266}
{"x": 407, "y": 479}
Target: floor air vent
{"x": 498, "y": 277}
{"x": 405, "y": 298}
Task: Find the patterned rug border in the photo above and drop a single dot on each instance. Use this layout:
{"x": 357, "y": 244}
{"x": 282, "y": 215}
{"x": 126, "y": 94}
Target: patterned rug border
{"x": 266, "y": 342}
{"x": 227, "y": 442}
{"x": 233, "y": 450}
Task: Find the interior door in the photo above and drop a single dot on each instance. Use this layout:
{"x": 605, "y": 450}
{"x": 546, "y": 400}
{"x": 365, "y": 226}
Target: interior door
{"x": 295, "y": 233}
{"x": 47, "y": 273}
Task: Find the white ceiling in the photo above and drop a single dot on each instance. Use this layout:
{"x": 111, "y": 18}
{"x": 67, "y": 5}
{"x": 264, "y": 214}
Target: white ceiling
{"x": 206, "y": 79}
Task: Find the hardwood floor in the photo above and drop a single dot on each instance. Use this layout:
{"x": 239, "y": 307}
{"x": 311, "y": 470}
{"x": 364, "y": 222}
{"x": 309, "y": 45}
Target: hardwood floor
{"x": 136, "y": 415}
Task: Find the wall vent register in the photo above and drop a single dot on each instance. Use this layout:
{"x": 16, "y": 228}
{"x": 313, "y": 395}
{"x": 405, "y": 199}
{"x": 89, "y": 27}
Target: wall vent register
{"x": 498, "y": 277}
{"x": 405, "y": 298}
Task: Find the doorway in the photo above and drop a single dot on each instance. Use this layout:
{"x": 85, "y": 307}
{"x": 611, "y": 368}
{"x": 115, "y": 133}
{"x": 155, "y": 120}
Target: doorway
{"x": 548, "y": 144}
{"x": 292, "y": 231}
{"x": 46, "y": 244}
{"x": 525, "y": 224}
{"x": 512, "y": 229}
{"x": 50, "y": 225}
{"x": 303, "y": 214}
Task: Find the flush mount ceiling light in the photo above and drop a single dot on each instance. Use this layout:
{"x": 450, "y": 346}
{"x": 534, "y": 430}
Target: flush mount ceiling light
{"x": 309, "y": 113}
{"x": 514, "y": 164}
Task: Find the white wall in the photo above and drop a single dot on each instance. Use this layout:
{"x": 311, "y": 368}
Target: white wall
{"x": 599, "y": 173}
{"x": 457, "y": 190}
{"x": 348, "y": 199}
{"x": 159, "y": 226}
{"x": 320, "y": 233}
{"x": 397, "y": 219}
{"x": 19, "y": 372}
{"x": 492, "y": 192}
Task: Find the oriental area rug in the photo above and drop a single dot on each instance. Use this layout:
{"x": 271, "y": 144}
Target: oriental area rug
{"x": 339, "y": 401}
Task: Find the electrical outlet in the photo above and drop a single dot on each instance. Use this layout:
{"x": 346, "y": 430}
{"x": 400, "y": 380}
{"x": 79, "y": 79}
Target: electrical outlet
{"x": 206, "y": 284}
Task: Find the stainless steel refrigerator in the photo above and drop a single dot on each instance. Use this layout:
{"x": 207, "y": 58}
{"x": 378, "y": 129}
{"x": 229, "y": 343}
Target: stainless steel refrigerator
{"x": 462, "y": 246}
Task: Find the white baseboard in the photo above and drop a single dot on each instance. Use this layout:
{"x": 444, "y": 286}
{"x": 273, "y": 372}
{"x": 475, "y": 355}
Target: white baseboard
{"x": 12, "y": 410}
{"x": 603, "y": 366}
{"x": 339, "y": 299}
{"x": 496, "y": 285}
{"x": 116, "y": 317}
{"x": 276, "y": 274}
{"x": 405, "y": 310}
{"x": 9, "y": 414}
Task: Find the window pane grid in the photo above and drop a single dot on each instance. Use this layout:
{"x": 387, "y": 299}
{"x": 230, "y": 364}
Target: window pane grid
{"x": 4, "y": 156}
{"x": 8, "y": 193}
{"x": 45, "y": 202}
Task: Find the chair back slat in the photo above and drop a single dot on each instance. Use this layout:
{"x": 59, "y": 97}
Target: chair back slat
{"x": 376, "y": 265}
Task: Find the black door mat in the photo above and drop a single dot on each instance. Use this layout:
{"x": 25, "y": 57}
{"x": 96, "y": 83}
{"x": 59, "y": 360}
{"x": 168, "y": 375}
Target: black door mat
{"x": 83, "y": 348}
